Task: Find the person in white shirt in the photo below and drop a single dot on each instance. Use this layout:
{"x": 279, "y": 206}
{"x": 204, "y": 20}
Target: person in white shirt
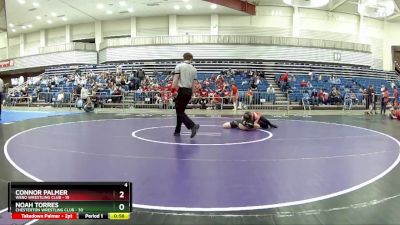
{"x": 271, "y": 94}
{"x": 21, "y": 80}
{"x": 185, "y": 75}
{"x": 84, "y": 93}
{"x": 310, "y": 75}
{"x": 60, "y": 98}
{"x": 392, "y": 84}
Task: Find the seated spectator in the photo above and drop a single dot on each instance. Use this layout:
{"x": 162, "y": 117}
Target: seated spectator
{"x": 303, "y": 84}
{"x": 334, "y": 97}
{"x": 314, "y": 97}
{"x": 117, "y": 94}
{"x": 24, "y": 95}
{"x": 206, "y": 82}
{"x": 309, "y": 85}
{"x": 321, "y": 97}
{"x": 394, "y": 113}
{"x": 89, "y": 106}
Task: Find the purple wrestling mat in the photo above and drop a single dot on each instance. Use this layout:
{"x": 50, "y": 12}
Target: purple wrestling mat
{"x": 219, "y": 170}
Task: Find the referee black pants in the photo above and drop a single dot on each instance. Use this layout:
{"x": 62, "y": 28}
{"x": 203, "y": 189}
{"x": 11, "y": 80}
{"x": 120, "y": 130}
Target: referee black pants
{"x": 182, "y": 100}
{"x": 1, "y": 102}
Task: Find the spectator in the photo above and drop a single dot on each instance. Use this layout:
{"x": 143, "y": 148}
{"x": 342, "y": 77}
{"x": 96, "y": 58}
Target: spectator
{"x": 284, "y": 81}
{"x": 89, "y": 106}
{"x": 385, "y": 100}
{"x": 271, "y": 94}
{"x": 305, "y": 100}
{"x": 255, "y": 82}
{"x": 310, "y": 75}
{"x": 141, "y": 74}
{"x": 395, "y": 97}
{"x": 392, "y": 84}
{"x": 24, "y": 95}
{"x": 235, "y": 96}
{"x": 60, "y": 98}
{"x": 1, "y": 94}
{"x": 314, "y": 97}
{"x": 348, "y": 101}
{"x": 249, "y": 97}
{"x": 394, "y": 114}
{"x": 303, "y": 84}
{"x": 370, "y": 98}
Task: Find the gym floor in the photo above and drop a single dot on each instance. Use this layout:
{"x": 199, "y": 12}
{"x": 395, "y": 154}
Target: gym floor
{"x": 319, "y": 169}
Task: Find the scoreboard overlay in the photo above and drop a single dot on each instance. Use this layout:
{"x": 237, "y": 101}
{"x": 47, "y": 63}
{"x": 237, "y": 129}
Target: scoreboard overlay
{"x": 70, "y": 200}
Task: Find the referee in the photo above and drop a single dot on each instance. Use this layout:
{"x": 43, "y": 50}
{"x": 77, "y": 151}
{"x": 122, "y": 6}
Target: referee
{"x": 185, "y": 74}
{"x": 1, "y": 94}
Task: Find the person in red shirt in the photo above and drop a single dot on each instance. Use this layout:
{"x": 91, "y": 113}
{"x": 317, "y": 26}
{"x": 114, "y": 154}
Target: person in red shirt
{"x": 303, "y": 84}
{"x": 234, "y": 95}
{"x": 284, "y": 82}
{"x": 395, "y": 97}
{"x": 285, "y": 77}
{"x": 385, "y": 100}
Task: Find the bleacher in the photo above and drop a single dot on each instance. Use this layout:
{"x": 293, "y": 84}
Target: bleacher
{"x": 348, "y": 75}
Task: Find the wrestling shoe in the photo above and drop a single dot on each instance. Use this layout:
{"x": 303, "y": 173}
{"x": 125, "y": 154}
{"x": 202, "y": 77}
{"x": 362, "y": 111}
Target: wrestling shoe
{"x": 274, "y": 126}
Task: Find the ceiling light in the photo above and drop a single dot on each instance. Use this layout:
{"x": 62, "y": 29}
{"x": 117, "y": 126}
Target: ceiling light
{"x": 49, "y": 21}
{"x": 38, "y": 17}
{"x": 130, "y": 10}
{"x": 64, "y": 18}
{"x": 109, "y": 12}
{"x": 36, "y": 4}
{"x": 122, "y": 3}
{"x": 13, "y": 30}
{"x": 189, "y": 7}
{"x": 24, "y": 27}
{"x": 376, "y": 8}
{"x": 53, "y": 14}
{"x": 213, "y": 6}
{"x": 21, "y": 2}
{"x": 177, "y": 7}
{"x": 11, "y": 25}
{"x": 100, "y": 6}
{"x": 307, "y": 3}
{"x": 29, "y": 25}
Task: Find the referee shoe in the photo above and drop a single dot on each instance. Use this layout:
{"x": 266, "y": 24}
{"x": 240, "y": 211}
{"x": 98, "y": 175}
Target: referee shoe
{"x": 194, "y": 129}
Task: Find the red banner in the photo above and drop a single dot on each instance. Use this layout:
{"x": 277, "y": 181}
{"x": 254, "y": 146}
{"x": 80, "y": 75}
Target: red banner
{"x": 8, "y": 63}
{"x": 44, "y": 216}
